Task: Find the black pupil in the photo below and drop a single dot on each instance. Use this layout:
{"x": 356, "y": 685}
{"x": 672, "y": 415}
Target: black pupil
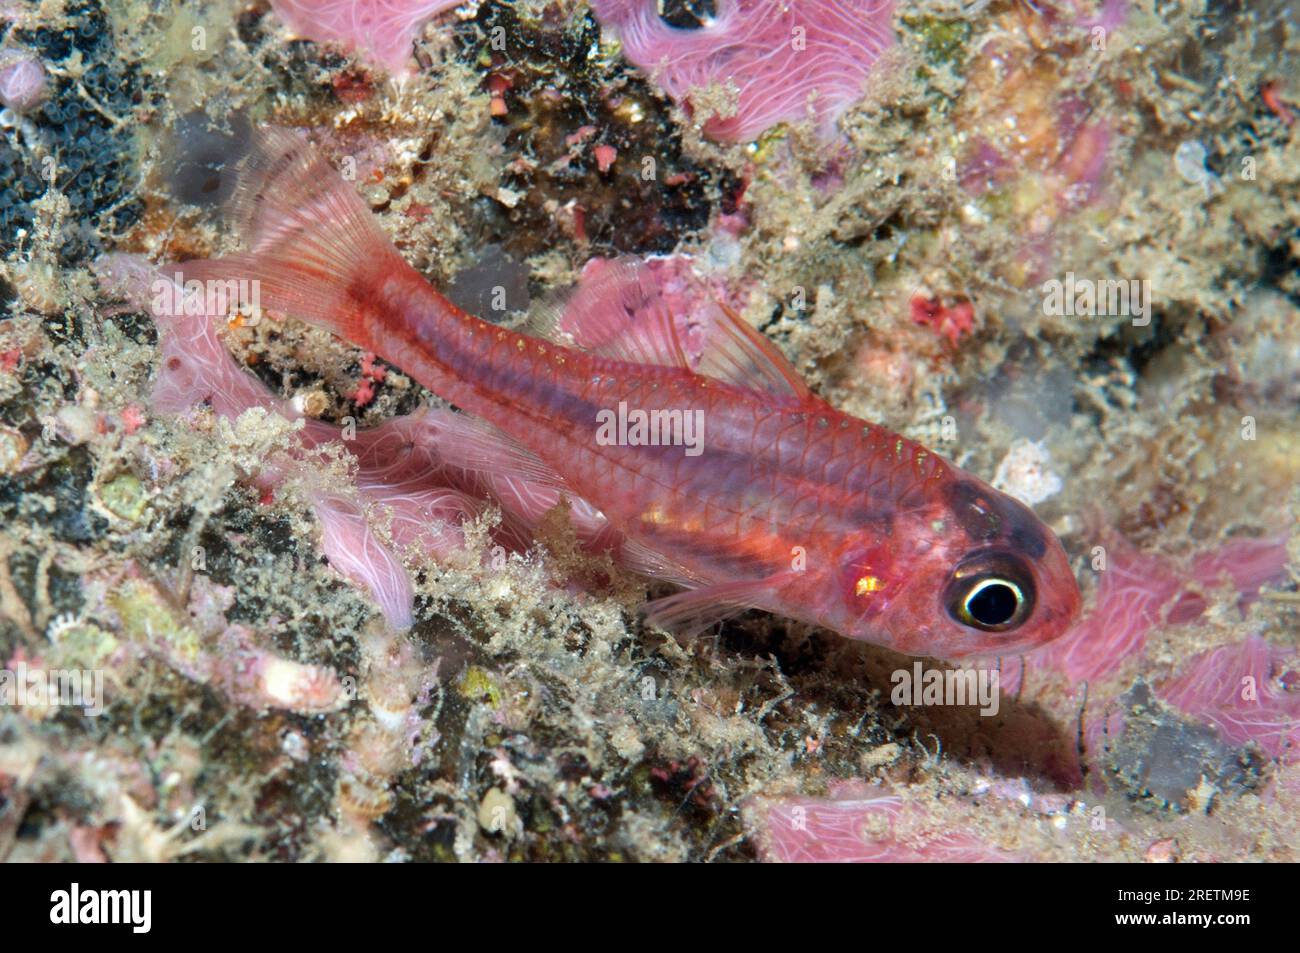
{"x": 993, "y": 605}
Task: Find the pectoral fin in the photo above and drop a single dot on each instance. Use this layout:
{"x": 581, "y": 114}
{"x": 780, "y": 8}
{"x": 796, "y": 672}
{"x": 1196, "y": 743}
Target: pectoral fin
{"x": 694, "y": 610}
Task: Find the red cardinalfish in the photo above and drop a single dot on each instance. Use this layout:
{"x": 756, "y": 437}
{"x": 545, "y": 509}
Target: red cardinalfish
{"x": 773, "y": 499}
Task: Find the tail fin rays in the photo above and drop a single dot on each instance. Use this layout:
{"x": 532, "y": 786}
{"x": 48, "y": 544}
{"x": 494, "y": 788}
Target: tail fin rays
{"x": 312, "y": 244}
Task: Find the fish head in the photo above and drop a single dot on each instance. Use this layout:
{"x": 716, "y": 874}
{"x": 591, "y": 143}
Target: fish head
{"x": 971, "y": 572}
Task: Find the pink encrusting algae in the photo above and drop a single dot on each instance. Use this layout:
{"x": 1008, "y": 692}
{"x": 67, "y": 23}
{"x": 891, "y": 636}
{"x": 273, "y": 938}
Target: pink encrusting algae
{"x": 750, "y": 492}
{"x": 382, "y": 31}
{"x": 784, "y": 62}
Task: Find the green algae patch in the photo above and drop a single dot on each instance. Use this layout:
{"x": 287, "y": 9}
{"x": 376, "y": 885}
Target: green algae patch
{"x": 124, "y": 497}
{"x": 148, "y": 620}
{"x": 83, "y": 644}
{"x": 944, "y": 41}
{"x": 477, "y": 684}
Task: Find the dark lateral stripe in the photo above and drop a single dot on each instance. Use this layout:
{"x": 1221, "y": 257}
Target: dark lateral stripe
{"x": 866, "y": 488}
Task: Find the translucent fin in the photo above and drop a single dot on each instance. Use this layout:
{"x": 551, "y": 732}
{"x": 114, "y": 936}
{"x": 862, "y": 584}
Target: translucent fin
{"x": 314, "y": 247}
{"x": 477, "y": 447}
{"x": 628, "y": 312}
{"x": 620, "y": 314}
{"x": 693, "y": 611}
{"x": 639, "y": 558}
{"x": 739, "y": 354}
{"x": 353, "y": 549}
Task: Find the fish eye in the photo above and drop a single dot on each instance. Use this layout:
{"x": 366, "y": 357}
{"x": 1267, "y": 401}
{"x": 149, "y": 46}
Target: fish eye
{"x": 990, "y": 603}
{"x": 991, "y": 591}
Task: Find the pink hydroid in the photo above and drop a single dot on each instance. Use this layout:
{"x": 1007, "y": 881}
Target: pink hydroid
{"x": 1249, "y": 692}
{"x": 382, "y": 31}
{"x": 851, "y": 828}
{"x": 787, "y": 61}
{"x": 1132, "y": 594}
{"x": 1139, "y": 591}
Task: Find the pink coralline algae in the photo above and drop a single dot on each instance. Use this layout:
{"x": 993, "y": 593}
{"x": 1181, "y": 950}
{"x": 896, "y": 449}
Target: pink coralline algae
{"x": 786, "y": 61}
{"x": 1249, "y": 692}
{"x": 382, "y": 31}
{"x": 950, "y": 321}
{"x": 852, "y": 828}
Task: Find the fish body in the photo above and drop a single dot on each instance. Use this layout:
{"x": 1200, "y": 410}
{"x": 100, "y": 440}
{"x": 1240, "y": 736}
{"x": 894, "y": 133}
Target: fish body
{"x": 713, "y": 466}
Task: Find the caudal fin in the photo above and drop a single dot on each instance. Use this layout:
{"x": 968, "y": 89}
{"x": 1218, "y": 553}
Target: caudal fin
{"x": 312, "y": 245}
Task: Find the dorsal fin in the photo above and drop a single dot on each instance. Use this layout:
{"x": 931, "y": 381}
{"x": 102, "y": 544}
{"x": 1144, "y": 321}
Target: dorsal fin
{"x": 740, "y": 354}
{"x": 635, "y": 311}
{"x": 620, "y": 313}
